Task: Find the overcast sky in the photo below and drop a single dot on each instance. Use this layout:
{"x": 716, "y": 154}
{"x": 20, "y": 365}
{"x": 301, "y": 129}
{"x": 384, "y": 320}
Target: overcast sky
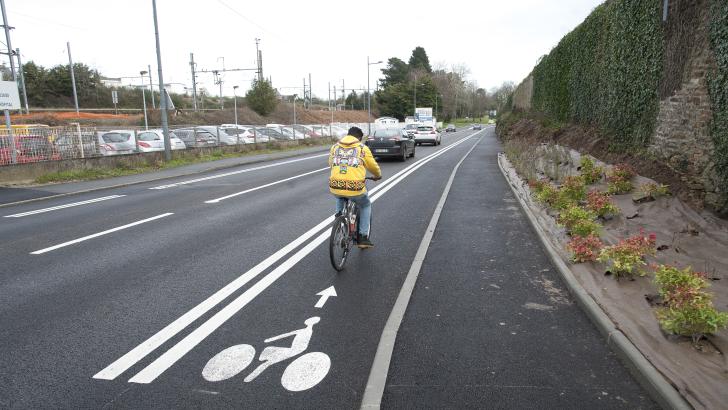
{"x": 499, "y": 40}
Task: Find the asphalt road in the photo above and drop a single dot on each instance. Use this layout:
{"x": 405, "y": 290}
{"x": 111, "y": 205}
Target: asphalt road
{"x": 156, "y": 295}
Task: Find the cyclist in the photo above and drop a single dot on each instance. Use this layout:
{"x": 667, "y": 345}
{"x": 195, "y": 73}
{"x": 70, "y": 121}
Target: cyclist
{"x": 349, "y": 161}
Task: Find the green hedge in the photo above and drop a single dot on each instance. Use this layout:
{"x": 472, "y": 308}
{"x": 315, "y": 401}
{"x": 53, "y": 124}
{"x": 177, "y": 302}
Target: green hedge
{"x": 718, "y": 82}
{"x": 607, "y": 72}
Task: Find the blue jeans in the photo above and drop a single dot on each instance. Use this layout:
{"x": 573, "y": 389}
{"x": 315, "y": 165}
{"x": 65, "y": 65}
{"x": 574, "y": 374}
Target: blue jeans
{"x": 365, "y": 210}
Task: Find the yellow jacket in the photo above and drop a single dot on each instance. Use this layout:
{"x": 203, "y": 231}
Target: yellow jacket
{"x": 349, "y": 160}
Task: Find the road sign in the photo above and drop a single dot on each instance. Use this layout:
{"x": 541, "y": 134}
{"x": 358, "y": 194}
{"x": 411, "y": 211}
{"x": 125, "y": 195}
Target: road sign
{"x": 115, "y": 97}
{"x": 9, "y": 96}
{"x": 423, "y": 114}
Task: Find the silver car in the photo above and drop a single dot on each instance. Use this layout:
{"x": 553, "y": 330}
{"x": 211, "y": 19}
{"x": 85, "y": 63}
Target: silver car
{"x": 117, "y": 142}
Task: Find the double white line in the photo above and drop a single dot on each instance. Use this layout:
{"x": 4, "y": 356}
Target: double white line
{"x": 176, "y": 352}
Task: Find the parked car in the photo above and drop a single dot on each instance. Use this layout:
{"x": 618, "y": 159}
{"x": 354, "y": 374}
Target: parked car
{"x": 75, "y": 145}
{"x": 290, "y": 133}
{"x": 196, "y": 137}
{"x": 266, "y": 134}
{"x": 427, "y": 134}
{"x": 391, "y": 142}
{"x": 220, "y": 134}
{"x": 450, "y": 128}
{"x": 28, "y": 148}
{"x": 153, "y": 140}
{"x": 338, "y": 132}
{"x": 305, "y": 130}
{"x": 477, "y": 127}
{"x": 117, "y": 142}
{"x": 235, "y": 134}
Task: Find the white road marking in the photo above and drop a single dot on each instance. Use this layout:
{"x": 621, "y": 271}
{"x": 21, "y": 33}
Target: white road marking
{"x": 325, "y": 295}
{"x": 55, "y": 208}
{"x": 228, "y": 363}
{"x": 96, "y": 235}
{"x": 152, "y": 343}
{"x": 242, "y": 171}
{"x": 176, "y": 352}
{"x": 214, "y": 201}
{"x": 306, "y": 371}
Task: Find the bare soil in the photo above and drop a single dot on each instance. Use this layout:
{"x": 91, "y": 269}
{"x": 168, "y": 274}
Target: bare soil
{"x": 282, "y": 115}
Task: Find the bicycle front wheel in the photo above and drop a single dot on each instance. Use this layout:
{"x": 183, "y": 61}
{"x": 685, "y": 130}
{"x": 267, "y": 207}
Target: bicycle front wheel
{"x": 339, "y": 243}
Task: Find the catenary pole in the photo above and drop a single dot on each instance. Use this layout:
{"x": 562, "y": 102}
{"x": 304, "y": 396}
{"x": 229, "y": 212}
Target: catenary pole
{"x": 73, "y": 76}
{"x": 194, "y": 81}
{"x": 162, "y": 96}
{"x": 7, "y": 40}
{"x": 22, "y": 81}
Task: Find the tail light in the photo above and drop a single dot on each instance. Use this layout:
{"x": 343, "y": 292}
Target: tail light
{"x": 433, "y": 132}
{"x": 107, "y": 147}
{"x": 144, "y": 144}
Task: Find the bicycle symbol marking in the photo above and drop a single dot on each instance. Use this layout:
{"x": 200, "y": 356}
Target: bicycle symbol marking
{"x": 301, "y": 374}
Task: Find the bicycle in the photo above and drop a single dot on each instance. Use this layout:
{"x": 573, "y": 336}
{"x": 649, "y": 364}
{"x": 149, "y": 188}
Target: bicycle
{"x": 344, "y": 234}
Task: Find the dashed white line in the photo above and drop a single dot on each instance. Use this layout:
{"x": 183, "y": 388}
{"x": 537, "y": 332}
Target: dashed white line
{"x": 96, "y": 235}
{"x": 214, "y": 201}
{"x": 242, "y": 171}
{"x": 55, "y": 208}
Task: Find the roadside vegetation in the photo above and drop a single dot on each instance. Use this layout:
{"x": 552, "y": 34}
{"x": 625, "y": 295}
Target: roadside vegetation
{"x": 581, "y": 205}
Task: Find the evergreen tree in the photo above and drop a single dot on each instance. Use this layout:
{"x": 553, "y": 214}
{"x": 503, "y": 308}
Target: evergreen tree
{"x": 419, "y": 60}
{"x": 261, "y": 97}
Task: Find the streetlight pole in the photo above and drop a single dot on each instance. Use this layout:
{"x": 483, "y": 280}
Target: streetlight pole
{"x": 144, "y": 100}
{"x": 369, "y": 97}
{"x": 162, "y": 96}
{"x": 294, "y": 115}
{"x": 235, "y": 104}
{"x": 415, "y": 99}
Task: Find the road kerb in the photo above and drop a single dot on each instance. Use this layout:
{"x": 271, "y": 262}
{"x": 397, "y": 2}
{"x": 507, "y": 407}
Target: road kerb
{"x": 213, "y": 169}
{"x": 641, "y": 369}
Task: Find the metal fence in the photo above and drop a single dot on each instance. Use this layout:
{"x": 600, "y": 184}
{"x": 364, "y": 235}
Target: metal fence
{"x": 27, "y": 144}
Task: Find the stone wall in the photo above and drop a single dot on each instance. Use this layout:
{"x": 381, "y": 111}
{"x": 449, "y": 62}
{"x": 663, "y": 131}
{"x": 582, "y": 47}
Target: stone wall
{"x": 682, "y": 138}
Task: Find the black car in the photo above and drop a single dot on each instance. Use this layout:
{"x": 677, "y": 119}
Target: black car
{"x": 391, "y": 142}
{"x": 450, "y": 128}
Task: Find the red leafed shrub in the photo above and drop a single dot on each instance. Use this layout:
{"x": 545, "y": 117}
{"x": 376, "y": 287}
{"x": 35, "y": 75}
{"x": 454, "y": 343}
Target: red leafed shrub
{"x": 601, "y": 203}
{"x": 585, "y": 248}
{"x": 619, "y": 179}
{"x": 627, "y": 257}
{"x": 622, "y": 171}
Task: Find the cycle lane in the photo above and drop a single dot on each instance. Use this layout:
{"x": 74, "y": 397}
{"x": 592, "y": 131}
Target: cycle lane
{"x": 349, "y": 326}
{"x": 489, "y": 323}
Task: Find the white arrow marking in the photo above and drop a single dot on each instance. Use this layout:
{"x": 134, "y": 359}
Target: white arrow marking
{"x": 325, "y": 295}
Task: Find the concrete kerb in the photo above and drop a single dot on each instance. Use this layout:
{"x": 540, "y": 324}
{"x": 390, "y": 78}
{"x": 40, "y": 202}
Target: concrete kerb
{"x": 646, "y": 374}
{"x": 244, "y": 161}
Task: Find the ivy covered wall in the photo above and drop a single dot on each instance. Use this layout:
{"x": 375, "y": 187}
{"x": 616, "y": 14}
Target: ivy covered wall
{"x": 606, "y": 72}
{"x": 718, "y": 86}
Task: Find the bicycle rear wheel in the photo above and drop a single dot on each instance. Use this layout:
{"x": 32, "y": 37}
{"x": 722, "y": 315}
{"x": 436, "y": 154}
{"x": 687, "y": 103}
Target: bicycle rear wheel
{"x": 339, "y": 243}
